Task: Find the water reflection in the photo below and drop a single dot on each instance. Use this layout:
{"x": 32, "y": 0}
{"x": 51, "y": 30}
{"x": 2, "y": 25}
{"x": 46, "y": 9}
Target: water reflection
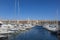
{"x": 37, "y": 33}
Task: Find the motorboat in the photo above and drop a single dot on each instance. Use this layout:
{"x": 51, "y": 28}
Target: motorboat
{"x": 28, "y": 26}
{"x": 5, "y": 33}
{"x": 5, "y": 30}
{"x": 22, "y": 27}
{"x": 51, "y": 27}
{"x": 13, "y": 27}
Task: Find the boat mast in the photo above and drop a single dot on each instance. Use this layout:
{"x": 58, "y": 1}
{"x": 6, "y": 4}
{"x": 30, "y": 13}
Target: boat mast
{"x": 57, "y": 19}
{"x": 28, "y": 20}
{"x": 18, "y": 13}
{"x": 15, "y": 7}
{"x": 37, "y": 22}
{"x": 15, "y": 10}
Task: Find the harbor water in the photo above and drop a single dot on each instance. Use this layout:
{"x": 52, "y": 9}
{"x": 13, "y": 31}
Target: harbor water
{"x": 36, "y": 33}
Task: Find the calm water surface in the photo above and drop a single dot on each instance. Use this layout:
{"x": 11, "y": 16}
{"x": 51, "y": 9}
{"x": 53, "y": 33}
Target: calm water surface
{"x": 36, "y": 33}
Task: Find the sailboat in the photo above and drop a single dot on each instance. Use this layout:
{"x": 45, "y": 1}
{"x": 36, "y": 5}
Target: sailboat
{"x": 28, "y": 25}
{"x": 52, "y": 27}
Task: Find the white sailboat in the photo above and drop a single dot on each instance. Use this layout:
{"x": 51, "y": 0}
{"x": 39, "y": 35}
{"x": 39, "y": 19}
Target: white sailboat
{"x": 52, "y": 27}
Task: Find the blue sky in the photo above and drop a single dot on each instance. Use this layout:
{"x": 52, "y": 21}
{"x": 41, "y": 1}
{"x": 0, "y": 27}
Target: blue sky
{"x": 33, "y": 9}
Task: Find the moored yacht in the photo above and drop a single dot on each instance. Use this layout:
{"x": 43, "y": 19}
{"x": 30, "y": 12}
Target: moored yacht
{"x": 28, "y": 26}
{"x": 5, "y": 30}
{"x": 13, "y": 27}
{"x": 51, "y": 27}
{"x": 22, "y": 27}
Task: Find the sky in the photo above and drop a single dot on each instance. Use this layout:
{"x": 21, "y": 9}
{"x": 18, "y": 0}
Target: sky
{"x": 32, "y": 9}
